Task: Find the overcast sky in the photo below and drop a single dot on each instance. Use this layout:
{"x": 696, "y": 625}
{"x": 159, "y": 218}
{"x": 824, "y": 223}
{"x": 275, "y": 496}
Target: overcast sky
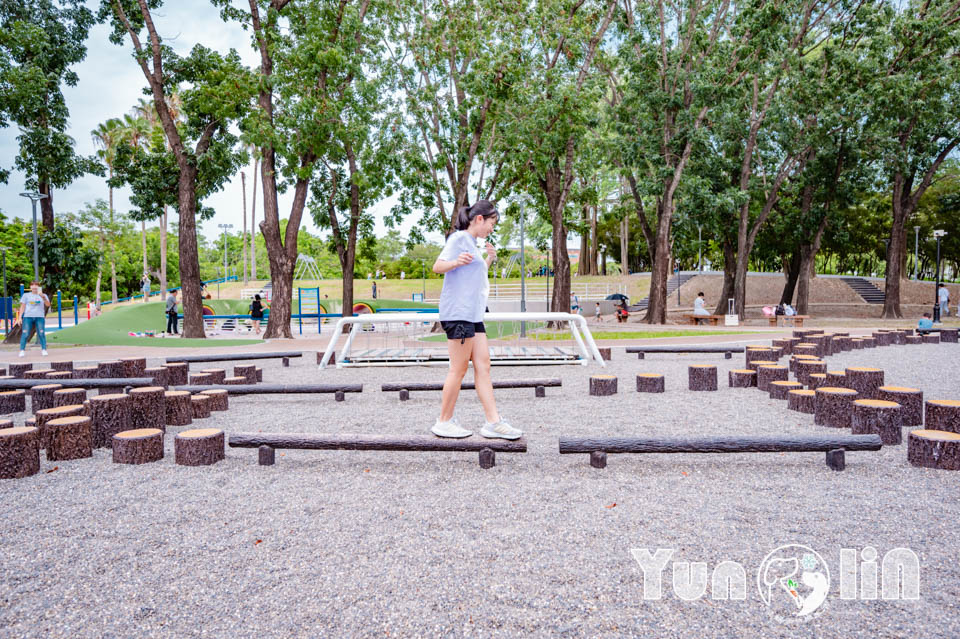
{"x": 110, "y": 84}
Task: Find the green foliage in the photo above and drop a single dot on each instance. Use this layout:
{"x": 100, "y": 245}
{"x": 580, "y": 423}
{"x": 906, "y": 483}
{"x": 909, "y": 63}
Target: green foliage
{"x": 65, "y": 263}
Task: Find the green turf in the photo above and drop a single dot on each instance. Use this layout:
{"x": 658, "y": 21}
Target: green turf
{"x": 110, "y": 329}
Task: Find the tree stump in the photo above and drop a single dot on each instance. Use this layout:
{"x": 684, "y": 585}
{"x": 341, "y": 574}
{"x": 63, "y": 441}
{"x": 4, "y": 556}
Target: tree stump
{"x": 767, "y": 374}
{"x": 932, "y": 449}
{"x": 931, "y": 338}
{"x": 865, "y": 380}
{"x": 816, "y": 380}
{"x": 38, "y": 373}
{"x": 875, "y": 416}
{"x": 780, "y": 388}
{"x": 69, "y": 438}
{"x": 702, "y": 377}
{"x": 17, "y": 370}
{"x": 19, "y": 452}
{"x": 900, "y": 337}
{"x": 913, "y": 340}
{"x": 650, "y": 383}
{"x": 7, "y": 377}
{"x": 248, "y": 371}
{"x": 6, "y": 423}
{"x": 802, "y": 401}
{"x": 201, "y": 406}
{"x": 833, "y": 406}
{"x": 835, "y": 344}
{"x": 949, "y": 335}
{"x": 110, "y": 415}
{"x": 62, "y": 366}
{"x": 177, "y": 373}
{"x": 856, "y": 343}
{"x": 59, "y": 375}
{"x": 837, "y": 379}
{"x": 138, "y": 446}
{"x": 910, "y": 400}
{"x": 30, "y": 422}
{"x": 216, "y": 374}
{"x": 199, "y": 447}
{"x": 266, "y": 455}
{"x": 742, "y": 378}
{"x": 178, "y": 407}
{"x": 201, "y": 379}
{"x": 807, "y": 368}
{"x": 42, "y": 396}
{"x": 883, "y": 338}
{"x": 800, "y": 358}
{"x": 158, "y": 374}
{"x": 259, "y": 375}
{"x": 235, "y": 381}
{"x": 806, "y": 349}
{"x": 69, "y": 397}
{"x": 110, "y": 390}
{"x": 14, "y": 401}
{"x": 85, "y": 372}
{"x": 802, "y": 333}
{"x": 44, "y": 416}
{"x": 869, "y": 342}
{"x": 603, "y": 385}
{"x": 147, "y": 407}
{"x": 134, "y": 366}
{"x": 110, "y": 369}
{"x": 759, "y": 353}
{"x": 757, "y": 363}
{"x": 605, "y": 354}
{"x": 823, "y": 342}
{"x": 942, "y": 414}
{"x": 785, "y": 345}
{"x": 218, "y": 399}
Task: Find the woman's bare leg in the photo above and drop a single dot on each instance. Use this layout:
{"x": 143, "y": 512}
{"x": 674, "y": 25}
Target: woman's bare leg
{"x": 481, "y": 377}
{"x": 459, "y": 360}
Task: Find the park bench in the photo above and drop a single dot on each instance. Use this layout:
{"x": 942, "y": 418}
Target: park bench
{"x": 726, "y": 350}
{"x": 797, "y": 320}
{"x": 276, "y": 389}
{"x": 692, "y": 318}
{"x": 230, "y": 357}
{"x": 267, "y": 443}
{"x": 833, "y": 445}
{"x": 539, "y": 385}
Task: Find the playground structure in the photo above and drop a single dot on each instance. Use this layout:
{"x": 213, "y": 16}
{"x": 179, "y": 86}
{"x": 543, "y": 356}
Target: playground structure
{"x": 398, "y": 352}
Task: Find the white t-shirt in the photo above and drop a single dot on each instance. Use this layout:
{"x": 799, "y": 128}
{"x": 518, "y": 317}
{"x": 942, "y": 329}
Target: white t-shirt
{"x": 699, "y": 307}
{"x": 35, "y": 304}
{"x": 944, "y": 295}
{"x": 465, "y": 288}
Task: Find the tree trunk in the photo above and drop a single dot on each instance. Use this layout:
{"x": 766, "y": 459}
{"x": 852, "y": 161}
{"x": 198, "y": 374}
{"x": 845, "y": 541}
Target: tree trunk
{"x": 163, "y": 256}
{"x": 594, "y": 243}
{"x": 891, "y": 302}
{"x": 729, "y": 272}
{"x": 243, "y": 238}
{"x": 143, "y": 244}
{"x": 625, "y": 246}
{"x": 792, "y": 268}
{"x": 253, "y": 225}
{"x": 657, "y": 309}
{"x": 583, "y": 265}
{"x": 808, "y": 268}
{"x": 189, "y": 258}
{"x": 113, "y": 270}
{"x": 46, "y": 205}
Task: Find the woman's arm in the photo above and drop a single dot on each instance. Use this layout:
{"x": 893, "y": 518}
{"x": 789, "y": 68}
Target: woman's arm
{"x": 445, "y": 266}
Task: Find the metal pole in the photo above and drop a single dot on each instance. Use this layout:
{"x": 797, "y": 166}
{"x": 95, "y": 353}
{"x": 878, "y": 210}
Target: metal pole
{"x": 59, "y": 310}
{"x": 699, "y": 250}
{"x": 936, "y": 288}
{"x": 916, "y": 250}
{"x": 36, "y": 253}
{"x": 6, "y": 303}
{"x": 423, "y": 277}
{"x": 76, "y": 310}
{"x": 523, "y": 269}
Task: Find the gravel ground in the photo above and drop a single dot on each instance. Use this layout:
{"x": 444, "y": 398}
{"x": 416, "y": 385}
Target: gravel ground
{"x": 346, "y": 543}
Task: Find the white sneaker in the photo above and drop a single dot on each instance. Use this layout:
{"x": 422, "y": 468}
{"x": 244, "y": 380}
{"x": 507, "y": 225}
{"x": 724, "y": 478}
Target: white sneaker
{"x": 22, "y": 353}
{"x": 44, "y": 353}
{"x": 450, "y": 429}
{"x": 501, "y": 429}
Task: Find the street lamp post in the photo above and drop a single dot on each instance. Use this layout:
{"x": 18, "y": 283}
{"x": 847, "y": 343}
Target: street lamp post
{"x": 523, "y": 269}
{"x": 936, "y": 290}
{"x": 6, "y": 314}
{"x": 699, "y": 250}
{"x": 35, "y": 197}
{"x": 225, "y": 227}
{"x": 423, "y": 277}
{"x": 916, "y": 250}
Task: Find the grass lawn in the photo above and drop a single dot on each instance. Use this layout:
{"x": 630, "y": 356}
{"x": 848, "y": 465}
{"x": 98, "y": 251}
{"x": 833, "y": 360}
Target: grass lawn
{"x": 111, "y": 329}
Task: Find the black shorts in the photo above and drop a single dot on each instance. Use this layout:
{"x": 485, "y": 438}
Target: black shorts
{"x": 462, "y": 330}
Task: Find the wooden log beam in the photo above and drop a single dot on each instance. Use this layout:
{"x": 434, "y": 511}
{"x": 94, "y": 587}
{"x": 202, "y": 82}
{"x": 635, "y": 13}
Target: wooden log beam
{"x": 347, "y": 441}
{"x": 685, "y": 349}
{"x": 501, "y": 383}
{"x": 732, "y": 444}
{"x": 112, "y": 382}
{"x": 276, "y": 389}
{"x": 231, "y": 357}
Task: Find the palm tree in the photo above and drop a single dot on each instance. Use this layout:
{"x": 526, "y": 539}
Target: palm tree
{"x": 108, "y": 136}
{"x": 136, "y": 133}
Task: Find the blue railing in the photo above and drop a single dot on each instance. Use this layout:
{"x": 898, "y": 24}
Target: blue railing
{"x": 219, "y": 280}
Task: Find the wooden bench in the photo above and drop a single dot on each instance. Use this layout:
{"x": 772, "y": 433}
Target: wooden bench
{"x": 277, "y": 389}
{"x": 833, "y": 445}
{"x": 267, "y": 443}
{"x": 538, "y": 384}
{"x": 693, "y": 318}
{"x": 230, "y": 357}
{"x": 797, "y": 320}
{"x": 726, "y": 350}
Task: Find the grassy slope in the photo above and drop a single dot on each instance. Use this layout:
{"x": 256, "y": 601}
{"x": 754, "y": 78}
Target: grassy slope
{"x": 110, "y": 329}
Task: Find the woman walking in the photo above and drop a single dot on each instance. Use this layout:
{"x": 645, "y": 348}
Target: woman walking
{"x": 256, "y": 313}
{"x": 463, "y": 263}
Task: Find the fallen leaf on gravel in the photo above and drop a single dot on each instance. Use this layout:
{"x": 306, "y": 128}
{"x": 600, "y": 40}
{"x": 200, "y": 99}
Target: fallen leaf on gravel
{"x": 683, "y": 472}
{"x": 613, "y": 505}
{"x": 53, "y": 469}
{"x": 258, "y": 542}
{"x": 366, "y": 470}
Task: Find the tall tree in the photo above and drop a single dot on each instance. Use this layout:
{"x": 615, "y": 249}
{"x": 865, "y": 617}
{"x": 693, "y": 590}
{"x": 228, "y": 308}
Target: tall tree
{"x": 203, "y": 150}
{"x": 109, "y": 136}
{"x": 39, "y": 41}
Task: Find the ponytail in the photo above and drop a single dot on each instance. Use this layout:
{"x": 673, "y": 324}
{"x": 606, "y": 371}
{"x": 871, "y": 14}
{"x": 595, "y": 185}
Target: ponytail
{"x": 483, "y": 208}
